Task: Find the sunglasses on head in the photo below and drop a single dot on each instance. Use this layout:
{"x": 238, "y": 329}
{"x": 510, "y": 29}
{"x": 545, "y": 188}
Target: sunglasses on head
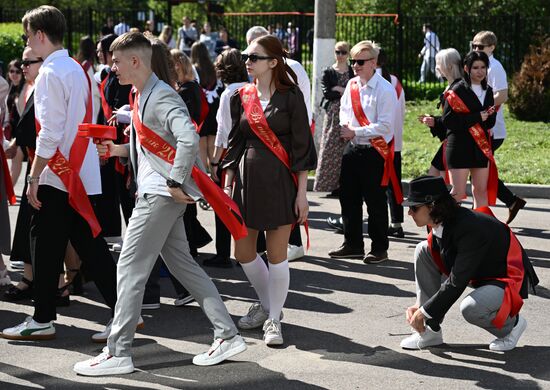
{"x": 29, "y": 62}
{"x": 478, "y": 47}
{"x": 340, "y": 52}
{"x": 254, "y": 57}
{"x": 359, "y": 62}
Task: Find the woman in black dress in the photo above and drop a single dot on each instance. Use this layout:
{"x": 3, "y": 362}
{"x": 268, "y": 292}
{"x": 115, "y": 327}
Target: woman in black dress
{"x": 464, "y": 157}
{"x": 262, "y": 185}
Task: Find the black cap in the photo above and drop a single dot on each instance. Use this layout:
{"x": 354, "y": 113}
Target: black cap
{"x": 426, "y": 189}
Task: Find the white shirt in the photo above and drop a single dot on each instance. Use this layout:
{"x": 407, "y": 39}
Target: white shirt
{"x": 480, "y": 92}
{"x": 148, "y": 180}
{"x": 223, "y": 116}
{"x": 496, "y": 78}
{"x": 303, "y": 83}
{"x": 431, "y": 45}
{"x": 379, "y": 102}
{"x": 60, "y": 97}
{"x": 121, "y": 28}
{"x": 190, "y": 32}
{"x": 399, "y": 117}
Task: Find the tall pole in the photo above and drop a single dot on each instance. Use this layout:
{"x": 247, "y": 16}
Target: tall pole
{"x": 323, "y": 55}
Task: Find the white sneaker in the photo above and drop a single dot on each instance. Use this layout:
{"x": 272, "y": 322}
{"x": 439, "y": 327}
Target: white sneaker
{"x": 102, "y": 337}
{"x": 17, "y": 264}
{"x": 428, "y": 338}
{"x": 509, "y": 342}
{"x": 273, "y": 334}
{"x": 30, "y": 330}
{"x": 294, "y": 252}
{"x": 4, "y": 278}
{"x": 105, "y": 364}
{"x": 220, "y": 350}
{"x": 183, "y": 299}
{"x": 150, "y": 306}
{"x": 255, "y": 317}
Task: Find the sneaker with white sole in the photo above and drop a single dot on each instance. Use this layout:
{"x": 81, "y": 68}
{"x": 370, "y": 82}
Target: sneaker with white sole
{"x": 17, "y": 264}
{"x": 294, "y": 252}
{"x": 221, "y": 350}
{"x": 428, "y": 338}
{"x": 102, "y": 337}
{"x": 4, "y": 278}
{"x": 273, "y": 334}
{"x": 30, "y": 330}
{"x": 105, "y": 364}
{"x": 509, "y": 342}
{"x": 255, "y": 317}
{"x": 183, "y": 299}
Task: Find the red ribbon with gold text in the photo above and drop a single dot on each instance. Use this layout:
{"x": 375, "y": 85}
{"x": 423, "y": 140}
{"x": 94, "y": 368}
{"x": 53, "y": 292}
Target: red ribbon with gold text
{"x": 225, "y": 208}
{"x": 68, "y": 170}
{"x": 378, "y": 143}
{"x": 6, "y": 172}
{"x": 483, "y": 143}
{"x": 260, "y": 127}
{"x": 512, "y": 301}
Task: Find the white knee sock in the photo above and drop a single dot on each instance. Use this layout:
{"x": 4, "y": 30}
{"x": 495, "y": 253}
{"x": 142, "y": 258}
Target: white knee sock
{"x": 279, "y": 281}
{"x": 258, "y": 275}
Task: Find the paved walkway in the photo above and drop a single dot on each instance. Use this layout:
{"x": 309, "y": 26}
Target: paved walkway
{"x": 343, "y": 323}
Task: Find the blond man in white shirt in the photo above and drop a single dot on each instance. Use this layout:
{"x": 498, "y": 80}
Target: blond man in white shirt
{"x": 362, "y": 166}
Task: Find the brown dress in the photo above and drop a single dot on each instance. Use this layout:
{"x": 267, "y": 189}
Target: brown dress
{"x": 263, "y": 187}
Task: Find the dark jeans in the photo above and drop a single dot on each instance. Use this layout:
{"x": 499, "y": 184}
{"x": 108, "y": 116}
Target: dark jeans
{"x": 51, "y": 229}
{"x": 396, "y": 210}
{"x": 360, "y": 177}
{"x": 504, "y": 194}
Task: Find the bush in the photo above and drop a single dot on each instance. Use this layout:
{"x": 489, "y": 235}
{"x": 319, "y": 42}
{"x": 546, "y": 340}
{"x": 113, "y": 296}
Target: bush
{"x": 422, "y": 91}
{"x": 11, "y": 44}
{"x": 530, "y": 90}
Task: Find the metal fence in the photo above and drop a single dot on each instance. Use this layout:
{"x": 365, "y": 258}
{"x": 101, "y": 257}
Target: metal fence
{"x": 400, "y": 36}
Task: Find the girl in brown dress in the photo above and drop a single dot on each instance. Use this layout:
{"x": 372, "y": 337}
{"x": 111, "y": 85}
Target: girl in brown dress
{"x": 263, "y": 186}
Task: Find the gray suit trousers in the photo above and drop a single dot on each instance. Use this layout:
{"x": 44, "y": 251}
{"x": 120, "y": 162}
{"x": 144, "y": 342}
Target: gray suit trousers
{"x": 480, "y": 307}
{"x": 155, "y": 227}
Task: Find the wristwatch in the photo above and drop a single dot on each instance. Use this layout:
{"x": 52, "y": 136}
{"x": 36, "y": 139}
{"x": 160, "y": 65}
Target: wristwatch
{"x": 31, "y": 179}
{"x": 172, "y": 183}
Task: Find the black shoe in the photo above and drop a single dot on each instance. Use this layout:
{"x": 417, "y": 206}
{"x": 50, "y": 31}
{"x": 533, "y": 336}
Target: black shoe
{"x": 396, "y": 232}
{"x": 218, "y": 261}
{"x": 347, "y": 252}
{"x": 514, "y": 209}
{"x": 335, "y": 194}
{"x": 183, "y": 299}
{"x": 336, "y": 223}
{"x": 375, "y": 257}
{"x": 60, "y": 299}
{"x": 14, "y": 294}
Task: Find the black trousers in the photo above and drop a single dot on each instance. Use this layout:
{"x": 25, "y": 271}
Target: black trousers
{"x": 21, "y": 248}
{"x": 360, "y": 176}
{"x": 51, "y": 228}
{"x": 396, "y": 210}
{"x": 504, "y": 194}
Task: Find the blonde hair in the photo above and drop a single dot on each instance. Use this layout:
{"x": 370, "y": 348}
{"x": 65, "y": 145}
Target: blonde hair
{"x": 368, "y": 46}
{"x": 343, "y": 45}
{"x": 184, "y": 63}
{"x": 487, "y": 38}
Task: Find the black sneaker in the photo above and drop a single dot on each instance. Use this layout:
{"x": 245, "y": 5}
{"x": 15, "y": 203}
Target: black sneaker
{"x": 183, "y": 299}
{"x": 218, "y": 261}
{"x": 336, "y": 223}
{"x": 375, "y": 257}
{"x": 347, "y": 252}
{"x": 396, "y": 232}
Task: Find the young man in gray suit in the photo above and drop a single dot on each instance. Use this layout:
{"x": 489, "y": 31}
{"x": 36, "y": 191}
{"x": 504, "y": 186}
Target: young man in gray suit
{"x": 164, "y": 190}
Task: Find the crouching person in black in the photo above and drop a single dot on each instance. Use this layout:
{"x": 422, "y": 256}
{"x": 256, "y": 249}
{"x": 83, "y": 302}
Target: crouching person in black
{"x": 467, "y": 248}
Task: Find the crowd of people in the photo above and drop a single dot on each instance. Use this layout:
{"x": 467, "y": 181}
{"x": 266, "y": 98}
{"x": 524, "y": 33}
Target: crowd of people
{"x": 187, "y": 119}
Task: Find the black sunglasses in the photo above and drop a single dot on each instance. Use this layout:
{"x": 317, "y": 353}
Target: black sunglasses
{"x": 255, "y": 57}
{"x": 478, "y": 47}
{"x": 416, "y": 207}
{"x": 30, "y": 62}
{"x": 340, "y": 52}
{"x": 359, "y": 62}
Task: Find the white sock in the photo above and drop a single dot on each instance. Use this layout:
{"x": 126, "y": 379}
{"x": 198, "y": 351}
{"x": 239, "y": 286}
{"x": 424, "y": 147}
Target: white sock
{"x": 258, "y": 275}
{"x": 279, "y": 281}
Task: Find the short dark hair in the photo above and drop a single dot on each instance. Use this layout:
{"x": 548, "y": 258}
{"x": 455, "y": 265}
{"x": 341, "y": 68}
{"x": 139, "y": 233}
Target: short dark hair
{"x": 469, "y": 60}
{"x": 230, "y": 67}
{"x": 47, "y": 19}
{"x": 443, "y": 209}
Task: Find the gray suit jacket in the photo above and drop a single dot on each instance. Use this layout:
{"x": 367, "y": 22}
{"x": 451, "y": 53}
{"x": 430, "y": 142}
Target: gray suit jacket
{"x": 163, "y": 111}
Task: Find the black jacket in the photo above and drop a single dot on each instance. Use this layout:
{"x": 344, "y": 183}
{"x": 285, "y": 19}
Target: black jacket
{"x": 115, "y": 94}
{"x": 474, "y": 246}
{"x": 329, "y": 80}
{"x": 26, "y": 126}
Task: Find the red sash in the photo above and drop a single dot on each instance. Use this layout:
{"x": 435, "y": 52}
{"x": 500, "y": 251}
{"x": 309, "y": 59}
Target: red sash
{"x": 398, "y": 88}
{"x": 223, "y": 205}
{"x": 68, "y": 170}
{"x": 260, "y": 127}
{"x": 512, "y": 300}
{"x": 107, "y": 110}
{"x": 204, "y": 110}
{"x": 6, "y": 172}
{"x": 385, "y": 150}
{"x": 482, "y": 141}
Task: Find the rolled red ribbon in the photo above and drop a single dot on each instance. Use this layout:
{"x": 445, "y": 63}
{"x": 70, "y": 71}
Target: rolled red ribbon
{"x": 98, "y": 133}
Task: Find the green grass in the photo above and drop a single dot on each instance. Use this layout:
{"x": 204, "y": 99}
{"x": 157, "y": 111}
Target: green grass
{"x": 524, "y": 156}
